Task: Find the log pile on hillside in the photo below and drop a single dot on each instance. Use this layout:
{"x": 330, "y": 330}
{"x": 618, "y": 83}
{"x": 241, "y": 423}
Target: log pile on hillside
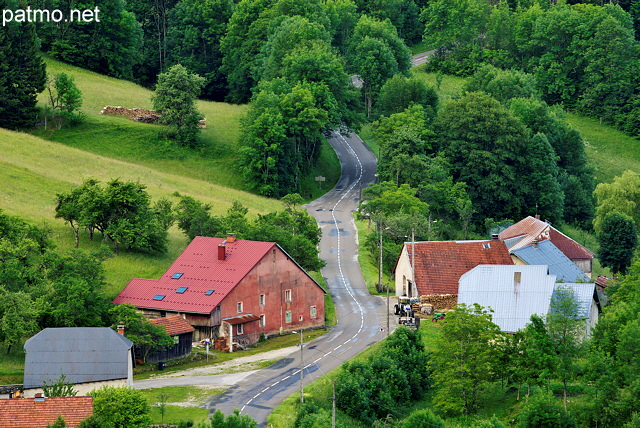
{"x": 136, "y": 114}
{"x": 439, "y": 301}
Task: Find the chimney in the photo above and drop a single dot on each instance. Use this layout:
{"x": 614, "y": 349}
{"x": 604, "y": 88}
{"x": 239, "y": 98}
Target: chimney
{"x": 537, "y": 216}
{"x": 40, "y": 396}
{"x": 494, "y": 236}
{"x": 222, "y": 254}
{"x": 231, "y": 237}
{"x": 535, "y": 243}
{"x": 121, "y": 329}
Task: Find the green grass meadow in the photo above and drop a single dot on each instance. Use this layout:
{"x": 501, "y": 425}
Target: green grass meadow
{"x": 182, "y": 403}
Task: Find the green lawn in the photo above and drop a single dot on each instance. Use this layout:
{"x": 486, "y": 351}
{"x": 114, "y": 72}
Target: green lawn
{"x": 190, "y": 398}
{"x": 610, "y": 151}
{"x": 450, "y": 86}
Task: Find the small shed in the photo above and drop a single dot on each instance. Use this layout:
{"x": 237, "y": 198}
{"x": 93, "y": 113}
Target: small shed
{"x": 88, "y": 357}
{"x": 182, "y": 333}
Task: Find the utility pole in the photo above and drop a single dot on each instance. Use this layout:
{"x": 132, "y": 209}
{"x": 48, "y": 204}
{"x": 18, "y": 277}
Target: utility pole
{"x": 380, "y": 264}
{"x": 388, "y": 310}
{"x": 333, "y": 408}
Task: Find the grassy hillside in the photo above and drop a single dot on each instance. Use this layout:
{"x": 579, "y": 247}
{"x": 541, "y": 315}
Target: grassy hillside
{"x": 145, "y": 144}
{"x": 610, "y": 151}
{"x": 32, "y": 170}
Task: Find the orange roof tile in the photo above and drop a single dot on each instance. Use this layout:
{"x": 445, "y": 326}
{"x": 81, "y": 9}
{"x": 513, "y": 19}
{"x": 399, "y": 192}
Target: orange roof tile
{"x": 174, "y": 325}
{"x": 439, "y": 265}
{"x": 28, "y": 413}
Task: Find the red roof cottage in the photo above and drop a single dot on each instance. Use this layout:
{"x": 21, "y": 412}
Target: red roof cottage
{"x": 232, "y": 288}
{"x": 435, "y": 267}
{"x": 42, "y": 411}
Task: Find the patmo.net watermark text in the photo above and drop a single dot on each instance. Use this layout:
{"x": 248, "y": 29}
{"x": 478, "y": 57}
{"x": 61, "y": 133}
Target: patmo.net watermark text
{"x": 46, "y": 15}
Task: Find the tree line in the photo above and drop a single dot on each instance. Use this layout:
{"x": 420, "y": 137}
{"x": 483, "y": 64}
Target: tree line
{"x": 582, "y": 56}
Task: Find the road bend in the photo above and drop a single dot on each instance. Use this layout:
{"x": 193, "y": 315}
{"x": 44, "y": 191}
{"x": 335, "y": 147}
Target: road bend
{"x": 360, "y": 315}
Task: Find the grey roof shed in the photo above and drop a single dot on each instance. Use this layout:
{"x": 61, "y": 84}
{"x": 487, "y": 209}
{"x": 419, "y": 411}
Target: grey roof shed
{"x": 546, "y": 253}
{"x": 82, "y": 354}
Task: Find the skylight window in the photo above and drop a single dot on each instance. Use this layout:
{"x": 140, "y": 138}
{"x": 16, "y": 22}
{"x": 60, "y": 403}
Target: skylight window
{"x": 159, "y": 297}
{"x": 177, "y": 275}
{"x": 181, "y": 290}
{"x": 208, "y": 293}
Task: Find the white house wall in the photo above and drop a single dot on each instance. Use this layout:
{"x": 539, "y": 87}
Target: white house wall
{"x": 404, "y": 273}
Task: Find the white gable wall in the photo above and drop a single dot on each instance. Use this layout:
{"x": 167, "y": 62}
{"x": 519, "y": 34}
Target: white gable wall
{"x": 404, "y": 281}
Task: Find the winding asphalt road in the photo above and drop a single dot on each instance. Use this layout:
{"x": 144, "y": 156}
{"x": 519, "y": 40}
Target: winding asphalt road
{"x": 360, "y": 315}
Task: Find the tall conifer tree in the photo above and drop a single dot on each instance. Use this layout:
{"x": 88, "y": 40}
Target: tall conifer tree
{"x": 22, "y": 73}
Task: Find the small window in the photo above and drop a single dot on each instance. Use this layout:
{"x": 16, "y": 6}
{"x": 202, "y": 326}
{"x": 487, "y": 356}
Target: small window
{"x": 159, "y": 297}
{"x": 240, "y": 328}
{"x": 300, "y": 318}
{"x": 486, "y": 245}
{"x": 262, "y": 300}
{"x": 208, "y": 293}
{"x": 263, "y": 321}
{"x": 287, "y": 296}
{"x": 287, "y": 316}
{"x": 239, "y": 307}
{"x": 313, "y": 312}
{"x": 177, "y": 275}
{"x": 181, "y": 290}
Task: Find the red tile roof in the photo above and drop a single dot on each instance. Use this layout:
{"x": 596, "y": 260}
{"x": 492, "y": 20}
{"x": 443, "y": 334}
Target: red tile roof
{"x": 439, "y": 265}
{"x": 207, "y": 279}
{"x": 533, "y": 229}
{"x": 174, "y": 325}
{"x": 28, "y": 413}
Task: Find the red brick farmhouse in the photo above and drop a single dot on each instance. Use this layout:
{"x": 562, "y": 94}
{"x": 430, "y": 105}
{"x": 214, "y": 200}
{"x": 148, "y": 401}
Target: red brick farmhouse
{"x": 232, "y": 288}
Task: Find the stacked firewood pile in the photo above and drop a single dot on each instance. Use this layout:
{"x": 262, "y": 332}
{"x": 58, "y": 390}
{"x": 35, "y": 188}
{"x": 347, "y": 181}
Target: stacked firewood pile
{"x": 137, "y": 114}
{"x": 439, "y": 301}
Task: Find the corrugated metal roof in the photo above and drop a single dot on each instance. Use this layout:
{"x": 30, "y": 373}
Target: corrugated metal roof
{"x": 582, "y": 292}
{"x": 201, "y": 271}
{"x": 440, "y": 264}
{"x": 82, "y": 354}
{"x": 174, "y": 325}
{"x": 513, "y": 292}
{"x": 531, "y": 229}
{"x": 545, "y": 253}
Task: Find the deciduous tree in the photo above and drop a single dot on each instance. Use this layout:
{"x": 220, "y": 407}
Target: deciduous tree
{"x": 120, "y": 407}
{"x": 618, "y": 239}
{"x": 464, "y": 358}
{"x": 148, "y": 337}
{"x": 174, "y": 98}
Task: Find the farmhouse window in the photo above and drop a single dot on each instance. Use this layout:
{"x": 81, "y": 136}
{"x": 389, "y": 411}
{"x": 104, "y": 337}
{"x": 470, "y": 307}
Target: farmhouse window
{"x": 287, "y": 296}
{"x": 239, "y": 307}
